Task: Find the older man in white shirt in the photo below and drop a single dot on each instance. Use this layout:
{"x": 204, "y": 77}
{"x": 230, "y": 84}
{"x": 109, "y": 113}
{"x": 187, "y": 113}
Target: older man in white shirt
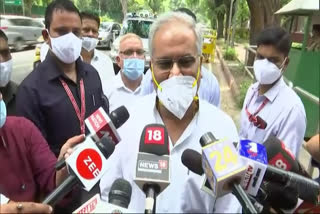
{"x": 270, "y": 106}
{"x": 175, "y": 47}
{"x": 99, "y": 60}
{"x": 125, "y": 87}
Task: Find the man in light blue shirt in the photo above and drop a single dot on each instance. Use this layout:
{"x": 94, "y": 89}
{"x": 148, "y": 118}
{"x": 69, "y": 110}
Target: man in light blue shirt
{"x": 270, "y": 106}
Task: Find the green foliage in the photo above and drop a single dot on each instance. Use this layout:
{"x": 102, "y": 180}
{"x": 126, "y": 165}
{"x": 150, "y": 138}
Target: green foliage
{"x": 243, "y": 13}
{"x": 230, "y": 54}
{"x": 244, "y": 86}
{"x": 242, "y": 34}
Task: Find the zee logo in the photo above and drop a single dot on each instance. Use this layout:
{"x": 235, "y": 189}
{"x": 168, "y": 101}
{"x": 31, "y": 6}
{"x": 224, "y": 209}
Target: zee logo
{"x": 154, "y": 135}
{"x": 89, "y": 164}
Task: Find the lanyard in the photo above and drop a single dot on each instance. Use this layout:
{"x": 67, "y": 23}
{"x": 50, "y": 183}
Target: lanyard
{"x": 252, "y": 117}
{"x": 80, "y": 114}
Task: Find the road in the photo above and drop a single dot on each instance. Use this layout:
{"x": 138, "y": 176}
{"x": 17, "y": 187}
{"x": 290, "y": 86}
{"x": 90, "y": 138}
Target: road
{"x": 22, "y": 64}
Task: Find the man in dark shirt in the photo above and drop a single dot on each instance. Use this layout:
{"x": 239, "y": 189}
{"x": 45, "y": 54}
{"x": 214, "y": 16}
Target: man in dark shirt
{"x": 63, "y": 90}
{"x": 7, "y": 87}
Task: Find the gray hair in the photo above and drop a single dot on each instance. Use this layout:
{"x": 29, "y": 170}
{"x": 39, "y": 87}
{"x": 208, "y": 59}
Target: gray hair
{"x": 180, "y": 17}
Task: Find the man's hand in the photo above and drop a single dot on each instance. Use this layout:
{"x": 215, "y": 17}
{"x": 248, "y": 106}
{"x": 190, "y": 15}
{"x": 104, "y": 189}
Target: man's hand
{"x": 65, "y": 152}
{"x": 25, "y": 207}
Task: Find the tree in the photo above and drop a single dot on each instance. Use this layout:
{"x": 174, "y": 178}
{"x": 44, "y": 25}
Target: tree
{"x": 262, "y": 16}
{"x": 155, "y": 5}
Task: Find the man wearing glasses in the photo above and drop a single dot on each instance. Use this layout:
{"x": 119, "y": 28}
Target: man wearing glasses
{"x": 175, "y": 49}
{"x": 125, "y": 87}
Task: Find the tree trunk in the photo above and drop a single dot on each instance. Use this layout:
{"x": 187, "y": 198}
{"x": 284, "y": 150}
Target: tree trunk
{"x": 226, "y": 26}
{"x": 124, "y": 4}
{"x": 220, "y": 25}
{"x": 256, "y": 24}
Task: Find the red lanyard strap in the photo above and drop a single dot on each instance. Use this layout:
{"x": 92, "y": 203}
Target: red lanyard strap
{"x": 80, "y": 114}
{"x": 252, "y": 117}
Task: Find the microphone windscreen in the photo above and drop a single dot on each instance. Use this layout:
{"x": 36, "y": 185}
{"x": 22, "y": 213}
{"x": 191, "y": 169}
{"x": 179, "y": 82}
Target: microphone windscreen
{"x": 154, "y": 140}
{"x": 207, "y": 138}
{"x": 193, "y": 161}
{"x": 120, "y": 193}
{"x": 119, "y": 116}
{"x": 106, "y": 146}
{"x": 279, "y": 196}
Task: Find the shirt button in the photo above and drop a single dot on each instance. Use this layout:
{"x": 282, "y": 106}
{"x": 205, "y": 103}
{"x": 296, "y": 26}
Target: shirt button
{"x": 23, "y": 187}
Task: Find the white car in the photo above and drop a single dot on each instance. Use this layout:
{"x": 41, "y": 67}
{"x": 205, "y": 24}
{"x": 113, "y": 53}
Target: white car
{"x": 136, "y": 25}
{"x": 21, "y": 30}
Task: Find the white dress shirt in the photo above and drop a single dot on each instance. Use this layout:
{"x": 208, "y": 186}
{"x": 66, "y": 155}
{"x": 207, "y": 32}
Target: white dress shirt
{"x": 183, "y": 195}
{"x": 284, "y": 114}
{"x": 209, "y": 89}
{"x": 103, "y": 64}
{"x": 118, "y": 94}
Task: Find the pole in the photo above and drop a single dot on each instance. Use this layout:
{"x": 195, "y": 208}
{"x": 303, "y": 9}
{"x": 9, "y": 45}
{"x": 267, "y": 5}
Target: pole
{"x": 229, "y": 25}
{"x": 4, "y": 7}
{"x": 22, "y": 4}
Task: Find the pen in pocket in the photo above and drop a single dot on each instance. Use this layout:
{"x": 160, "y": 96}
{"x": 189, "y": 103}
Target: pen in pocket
{"x": 93, "y": 100}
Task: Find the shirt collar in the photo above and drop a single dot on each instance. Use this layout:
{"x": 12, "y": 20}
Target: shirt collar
{"x": 54, "y": 71}
{"x": 118, "y": 83}
{"x": 273, "y": 92}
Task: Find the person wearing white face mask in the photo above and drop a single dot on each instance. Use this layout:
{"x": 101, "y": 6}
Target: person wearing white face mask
{"x": 125, "y": 87}
{"x": 62, "y": 91}
{"x": 7, "y": 87}
{"x": 175, "y": 48}
{"x": 270, "y": 106}
{"x": 99, "y": 60}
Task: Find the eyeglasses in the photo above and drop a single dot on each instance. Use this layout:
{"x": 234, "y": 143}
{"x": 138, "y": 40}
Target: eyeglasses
{"x": 130, "y": 52}
{"x": 184, "y": 62}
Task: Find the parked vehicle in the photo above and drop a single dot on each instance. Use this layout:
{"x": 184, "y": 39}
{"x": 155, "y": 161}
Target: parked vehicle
{"x": 108, "y": 32}
{"x": 21, "y": 30}
{"x": 136, "y": 25}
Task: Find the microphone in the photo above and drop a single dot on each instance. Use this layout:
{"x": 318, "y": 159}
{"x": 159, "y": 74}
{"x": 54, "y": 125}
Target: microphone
{"x": 119, "y": 199}
{"x": 153, "y": 164}
{"x": 279, "y": 156}
{"x": 221, "y": 164}
{"x": 99, "y": 124}
{"x": 86, "y": 165}
{"x": 120, "y": 193}
{"x": 307, "y": 189}
{"x": 191, "y": 159}
{"x": 255, "y": 155}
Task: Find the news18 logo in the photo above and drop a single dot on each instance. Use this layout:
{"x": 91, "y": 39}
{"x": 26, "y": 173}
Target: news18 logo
{"x": 154, "y": 135}
{"x": 89, "y": 164}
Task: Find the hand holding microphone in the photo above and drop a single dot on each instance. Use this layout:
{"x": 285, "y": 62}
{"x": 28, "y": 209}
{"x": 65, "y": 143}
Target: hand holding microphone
{"x": 86, "y": 165}
{"x": 100, "y": 124}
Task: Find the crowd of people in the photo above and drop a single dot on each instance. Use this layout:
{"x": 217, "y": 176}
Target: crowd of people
{"x": 43, "y": 118}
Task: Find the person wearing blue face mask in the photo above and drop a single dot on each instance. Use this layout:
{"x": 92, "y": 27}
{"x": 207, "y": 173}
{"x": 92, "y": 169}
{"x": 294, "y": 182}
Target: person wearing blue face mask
{"x": 125, "y": 87}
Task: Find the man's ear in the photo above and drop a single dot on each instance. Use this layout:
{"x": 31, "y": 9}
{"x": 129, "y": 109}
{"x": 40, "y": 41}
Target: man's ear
{"x": 45, "y": 36}
{"x": 118, "y": 60}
